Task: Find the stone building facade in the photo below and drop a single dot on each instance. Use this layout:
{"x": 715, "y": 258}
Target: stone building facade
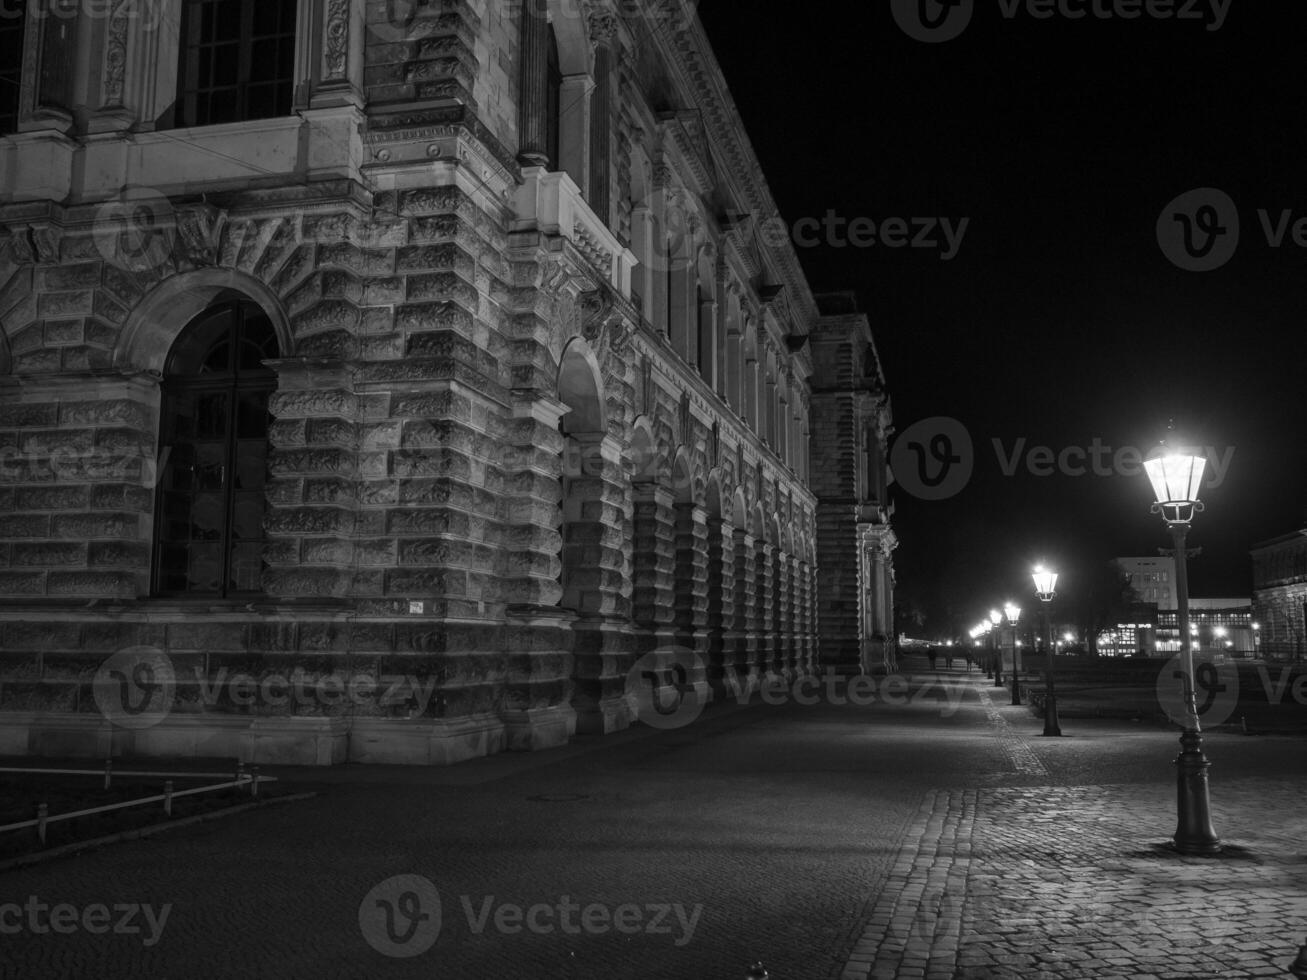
{"x": 1280, "y": 597}
{"x": 851, "y": 426}
{"x": 425, "y": 367}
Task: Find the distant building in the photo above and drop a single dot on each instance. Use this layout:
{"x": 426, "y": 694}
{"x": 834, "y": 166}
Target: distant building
{"x": 1217, "y": 625}
{"x": 1153, "y": 582}
{"x": 1280, "y": 596}
{"x": 1153, "y": 579}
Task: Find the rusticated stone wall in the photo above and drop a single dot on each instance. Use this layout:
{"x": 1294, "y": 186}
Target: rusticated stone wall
{"x": 462, "y": 388}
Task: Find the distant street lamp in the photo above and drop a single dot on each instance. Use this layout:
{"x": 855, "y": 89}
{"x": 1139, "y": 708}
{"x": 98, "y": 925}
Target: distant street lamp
{"x": 1013, "y": 613}
{"x": 1176, "y": 477}
{"x": 996, "y": 617}
{"x": 1045, "y": 586}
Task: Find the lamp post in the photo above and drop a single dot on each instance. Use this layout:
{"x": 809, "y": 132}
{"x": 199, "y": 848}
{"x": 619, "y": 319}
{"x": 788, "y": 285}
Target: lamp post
{"x": 1013, "y": 613}
{"x": 1176, "y": 477}
{"x": 1045, "y": 584}
{"x": 996, "y": 617}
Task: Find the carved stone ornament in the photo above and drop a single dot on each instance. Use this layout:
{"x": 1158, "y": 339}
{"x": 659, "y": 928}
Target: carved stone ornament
{"x": 115, "y": 55}
{"x": 199, "y": 233}
{"x": 602, "y": 22}
{"x": 335, "y": 40}
{"x": 596, "y": 305}
{"x": 36, "y": 245}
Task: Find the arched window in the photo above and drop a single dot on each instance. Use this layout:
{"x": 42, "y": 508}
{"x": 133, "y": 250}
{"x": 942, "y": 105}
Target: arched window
{"x": 214, "y": 443}
{"x": 237, "y": 61}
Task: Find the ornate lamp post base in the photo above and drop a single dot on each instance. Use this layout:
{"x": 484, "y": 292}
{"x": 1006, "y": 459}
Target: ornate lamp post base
{"x": 1051, "y": 726}
{"x": 1194, "y": 833}
{"x": 1299, "y": 966}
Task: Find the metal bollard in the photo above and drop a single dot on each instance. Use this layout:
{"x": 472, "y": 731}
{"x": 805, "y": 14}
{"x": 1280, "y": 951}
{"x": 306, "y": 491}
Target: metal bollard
{"x": 108, "y": 772}
{"x": 42, "y": 814}
{"x": 167, "y": 797}
{"x": 757, "y": 972}
{"x": 254, "y": 783}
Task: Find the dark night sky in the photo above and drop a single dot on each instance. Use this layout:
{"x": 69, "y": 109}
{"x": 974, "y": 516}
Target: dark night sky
{"x": 1060, "y": 320}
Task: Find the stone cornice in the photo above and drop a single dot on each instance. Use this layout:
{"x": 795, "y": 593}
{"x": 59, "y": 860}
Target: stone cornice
{"x": 690, "y": 60}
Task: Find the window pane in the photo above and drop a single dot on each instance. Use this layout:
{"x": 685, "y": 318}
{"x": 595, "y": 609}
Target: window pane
{"x": 231, "y": 45}
{"x": 205, "y": 568}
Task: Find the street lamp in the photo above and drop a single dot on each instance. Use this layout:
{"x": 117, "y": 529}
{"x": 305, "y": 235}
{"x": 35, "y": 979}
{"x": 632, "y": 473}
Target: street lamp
{"x": 1013, "y": 613}
{"x": 1176, "y": 477}
{"x": 1045, "y": 589}
{"x": 996, "y": 617}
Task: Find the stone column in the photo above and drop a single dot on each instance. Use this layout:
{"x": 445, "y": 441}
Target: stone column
{"x": 595, "y": 585}
{"x": 804, "y": 600}
{"x": 796, "y": 616}
{"x": 533, "y": 89}
{"x": 536, "y": 705}
{"x": 781, "y": 603}
{"x": 574, "y": 128}
{"x": 691, "y": 601}
{"x": 706, "y": 355}
{"x": 642, "y": 242}
{"x": 654, "y": 560}
{"x": 721, "y": 603}
{"x": 743, "y": 639}
{"x": 765, "y": 626}
{"x": 601, "y": 126}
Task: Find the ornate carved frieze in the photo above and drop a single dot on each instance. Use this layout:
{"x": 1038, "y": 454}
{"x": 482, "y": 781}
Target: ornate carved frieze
{"x": 115, "y": 56}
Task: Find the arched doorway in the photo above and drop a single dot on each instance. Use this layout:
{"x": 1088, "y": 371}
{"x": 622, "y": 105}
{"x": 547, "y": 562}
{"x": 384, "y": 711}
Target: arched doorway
{"x": 213, "y": 443}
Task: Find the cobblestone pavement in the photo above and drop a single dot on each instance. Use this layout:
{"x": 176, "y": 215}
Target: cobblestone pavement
{"x": 1046, "y": 882}
{"x": 924, "y": 835}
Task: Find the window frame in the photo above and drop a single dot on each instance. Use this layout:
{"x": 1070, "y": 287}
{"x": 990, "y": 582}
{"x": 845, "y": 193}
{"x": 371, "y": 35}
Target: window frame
{"x": 185, "y": 113}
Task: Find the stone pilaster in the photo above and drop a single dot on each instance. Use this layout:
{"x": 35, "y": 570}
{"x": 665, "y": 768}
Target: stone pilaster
{"x": 783, "y": 602}
{"x": 796, "y": 615}
{"x": 595, "y": 586}
{"x": 536, "y": 707}
{"x": 743, "y": 638}
{"x": 654, "y": 554}
{"x": 721, "y": 602}
{"x": 691, "y": 599}
{"x": 765, "y": 627}
{"x": 425, "y": 53}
